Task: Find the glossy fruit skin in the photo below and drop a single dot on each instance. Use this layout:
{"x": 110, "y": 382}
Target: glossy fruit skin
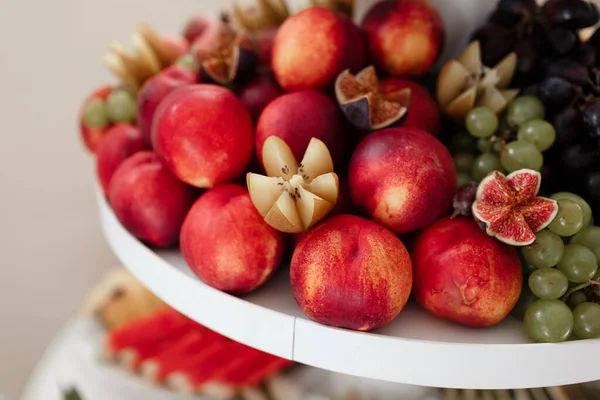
{"x": 118, "y": 144}
{"x": 196, "y": 26}
{"x": 258, "y": 92}
{"x": 313, "y": 46}
{"x": 548, "y": 321}
{"x": 92, "y": 136}
{"x": 299, "y": 116}
{"x": 203, "y": 134}
{"x": 423, "y": 110}
{"x": 403, "y": 178}
{"x": 154, "y": 91}
{"x": 226, "y": 242}
{"x": 351, "y": 273}
{"x": 148, "y": 200}
{"x": 405, "y": 36}
{"x": 463, "y": 275}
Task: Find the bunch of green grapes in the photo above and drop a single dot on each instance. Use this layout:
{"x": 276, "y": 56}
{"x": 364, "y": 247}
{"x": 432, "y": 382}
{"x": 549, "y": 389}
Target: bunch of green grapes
{"x": 561, "y": 299}
{"x": 506, "y": 144}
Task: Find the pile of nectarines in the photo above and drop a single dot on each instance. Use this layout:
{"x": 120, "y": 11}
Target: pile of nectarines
{"x": 342, "y": 160}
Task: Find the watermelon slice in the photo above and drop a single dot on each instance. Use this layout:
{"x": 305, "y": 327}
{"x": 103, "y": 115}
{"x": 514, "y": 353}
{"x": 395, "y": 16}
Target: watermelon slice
{"x": 165, "y": 325}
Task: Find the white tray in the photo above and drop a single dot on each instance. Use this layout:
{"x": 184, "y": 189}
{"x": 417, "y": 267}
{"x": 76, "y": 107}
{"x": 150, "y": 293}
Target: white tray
{"x": 416, "y": 348}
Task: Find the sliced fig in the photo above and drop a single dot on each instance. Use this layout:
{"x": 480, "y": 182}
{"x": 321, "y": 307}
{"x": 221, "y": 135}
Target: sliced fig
{"x": 466, "y": 83}
{"x": 294, "y": 196}
{"x": 363, "y": 103}
{"x": 229, "y": 59}
{"x": 510, "y": 208}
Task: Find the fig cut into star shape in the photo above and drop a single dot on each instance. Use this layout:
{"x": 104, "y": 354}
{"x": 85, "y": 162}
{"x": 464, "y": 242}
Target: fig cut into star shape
{"x": 294, "y": 196}
{"x": 510, "y": 208}
{"x": 363, "y": 104}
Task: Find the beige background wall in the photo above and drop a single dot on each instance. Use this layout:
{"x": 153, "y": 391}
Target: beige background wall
{"x": 51, "y": 248}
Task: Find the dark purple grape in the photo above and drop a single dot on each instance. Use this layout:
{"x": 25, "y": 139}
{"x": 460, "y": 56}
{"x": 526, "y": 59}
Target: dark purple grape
{"x": 567, "y": 124}
{"x": 488, "y": 30}
{"x": 592, "y": 184}
{"x": 571, "y": 14}
{"x": 556, "y": 92}
{"x": 563, "y": 41}
{"x": 510, "y": 12}
{"x": 569, "y": 70}
{"x": 591, "y": 119}
{"x": 580, "y": 157}
{"x": 527, "y": 56}
{"x": 587, "y": 54}
{"x": 530, "y": 90}
{"x": 497, "y": 47}
{"x": 464, "y": 198}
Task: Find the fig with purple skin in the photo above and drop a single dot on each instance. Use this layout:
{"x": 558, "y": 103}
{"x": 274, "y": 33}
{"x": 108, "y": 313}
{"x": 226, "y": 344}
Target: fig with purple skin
{"x": 510, "y": 208}
{"x": 228, "y": 58}
{"x": 363, "y": 103}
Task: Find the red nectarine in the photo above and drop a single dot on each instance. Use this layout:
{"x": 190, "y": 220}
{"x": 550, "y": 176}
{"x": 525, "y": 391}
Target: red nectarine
{"x": 119, "y": 142}
{"x": 313, "y": 46}
{"x": 351, "y": 273}
{"x": 226, "y": 242}
{"x": 149, "y": 201}
{"x": 405, "y": 36}
{"x": 203, "y": 133}
{"x": 403, "y": 178}
{"x": 464, "y": 275}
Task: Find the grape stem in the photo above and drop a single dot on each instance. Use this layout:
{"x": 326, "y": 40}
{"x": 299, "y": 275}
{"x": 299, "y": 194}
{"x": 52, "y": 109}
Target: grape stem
{"x": 580, "y": 287}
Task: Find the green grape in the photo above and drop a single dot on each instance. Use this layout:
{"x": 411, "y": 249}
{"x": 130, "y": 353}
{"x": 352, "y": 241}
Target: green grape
{"x": 187, "y": 61}
{"x": 568, "y": 220}
{"x": 464, "y": 162}
{"x": 94, "y": 114}
{"x": 578, "y": 264}
{"x": 523, "y": 109}
{"x": 546, "y": 251}
{"x": 538, "y": 132}
{"x": 519, "y": 154}
{"x": 548, "y": 321}
{"x": 577, "y": 298}
{"x": 590, "y": 238}
{"x": 462, "y": 179}
{"x": 481, "y": 122}
{"x": 120, "y": 106}
{"x": 587, "y": 320}
{"x": 463, "y": 142}
{"x": 484, "y": 146}
{"x": 484, "y": 164}
{"x": 497, "y": 147}
{"x": 525, "y": 300}
{"x": 585, "y": 207}
{"x": 548, "y": 283}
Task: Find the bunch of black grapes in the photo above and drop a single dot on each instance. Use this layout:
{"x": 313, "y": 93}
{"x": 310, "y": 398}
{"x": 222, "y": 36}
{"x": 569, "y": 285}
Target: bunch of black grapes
{"x": 564, "y": 72}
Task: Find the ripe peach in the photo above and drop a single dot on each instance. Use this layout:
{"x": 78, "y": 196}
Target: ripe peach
{"x": 297, "y": 117}
{"x": 154, "y": 91}
{"x": 313, "y": 46}
{"x": 226, "y": 242}
{"x": 258, "y": 92}
{"x": 148, "y": 200}
{"x": 464, "y": 275}
{"x": 91, "y": 136}
{"x": 405, "y": 36}
{"x": 423, "y": 110}
{"x": 351, "y": 273}
{"x": 403, "y": 178}
{"x": 203, "y": 133}
{"x": 119, "y": 142}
